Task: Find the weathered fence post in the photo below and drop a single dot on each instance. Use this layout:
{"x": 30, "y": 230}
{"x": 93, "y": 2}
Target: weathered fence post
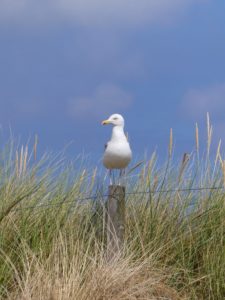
{"x": 115, "y": 219}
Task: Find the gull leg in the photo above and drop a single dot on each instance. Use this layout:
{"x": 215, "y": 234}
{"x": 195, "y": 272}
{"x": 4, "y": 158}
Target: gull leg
{"x": 110, "y": 177}
{"x": 120, "y": 176}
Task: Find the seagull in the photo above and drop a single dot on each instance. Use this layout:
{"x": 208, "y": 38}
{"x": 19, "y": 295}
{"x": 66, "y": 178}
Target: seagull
{"x": 117, "y": 153}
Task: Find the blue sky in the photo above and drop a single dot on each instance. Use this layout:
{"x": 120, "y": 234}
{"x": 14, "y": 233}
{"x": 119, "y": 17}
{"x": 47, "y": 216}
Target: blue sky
{"x": 67, "y": 64}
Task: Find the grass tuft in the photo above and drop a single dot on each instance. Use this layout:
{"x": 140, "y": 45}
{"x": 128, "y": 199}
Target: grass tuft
{"x": 53, "y": 231}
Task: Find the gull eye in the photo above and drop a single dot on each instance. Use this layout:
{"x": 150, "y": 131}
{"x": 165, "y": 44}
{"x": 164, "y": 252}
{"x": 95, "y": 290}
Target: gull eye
{"x": 115, "y": 118}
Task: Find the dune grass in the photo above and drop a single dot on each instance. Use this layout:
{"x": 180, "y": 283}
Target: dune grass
{"x": 52, "y": 229}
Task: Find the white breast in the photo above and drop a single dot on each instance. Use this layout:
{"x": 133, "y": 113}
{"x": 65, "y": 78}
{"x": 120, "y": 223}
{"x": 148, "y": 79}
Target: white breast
{"x": 117, "y": 155}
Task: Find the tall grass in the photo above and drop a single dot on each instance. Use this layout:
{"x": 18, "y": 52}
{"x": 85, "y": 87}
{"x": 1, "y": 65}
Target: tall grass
{"x": 52, "y": 224}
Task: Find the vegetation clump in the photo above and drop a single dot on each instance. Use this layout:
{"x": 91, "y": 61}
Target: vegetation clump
{"x": 52, "y": 230}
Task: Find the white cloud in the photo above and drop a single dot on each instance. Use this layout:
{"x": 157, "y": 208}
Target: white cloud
{"x": 106, "y": 99}
{"x": 125, "y": 11}
{"x": 94, "y": 12}
{"x": 197, "y": 102}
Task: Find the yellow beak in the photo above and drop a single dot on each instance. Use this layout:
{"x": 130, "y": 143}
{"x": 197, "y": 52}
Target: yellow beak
{"x": 105, "y": 122}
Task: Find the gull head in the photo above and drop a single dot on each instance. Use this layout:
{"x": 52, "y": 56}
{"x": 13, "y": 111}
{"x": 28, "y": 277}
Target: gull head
{"x": 115, "y": 119}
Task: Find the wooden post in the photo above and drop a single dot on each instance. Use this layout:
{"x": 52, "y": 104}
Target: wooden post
{"x": 115, "y": 219}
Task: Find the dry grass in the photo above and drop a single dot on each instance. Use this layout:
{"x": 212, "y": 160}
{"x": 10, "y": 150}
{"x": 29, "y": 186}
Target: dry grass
{"x": 78, "y": 276}
{"x": 53, "y": 232}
